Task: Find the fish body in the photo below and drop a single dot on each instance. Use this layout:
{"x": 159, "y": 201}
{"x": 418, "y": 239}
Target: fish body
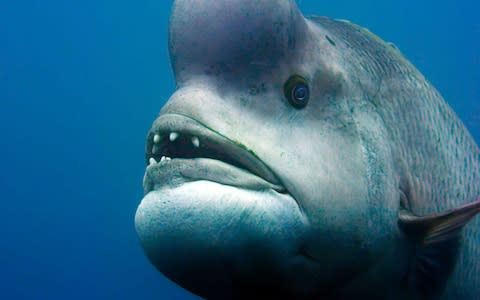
{"x": 305, "y": 158}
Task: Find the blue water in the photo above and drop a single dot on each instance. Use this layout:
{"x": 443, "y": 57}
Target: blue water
{"x": 80, "y": 84}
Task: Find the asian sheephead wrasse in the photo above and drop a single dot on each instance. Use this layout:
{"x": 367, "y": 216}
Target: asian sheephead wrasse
{"x": 305, "y": 158}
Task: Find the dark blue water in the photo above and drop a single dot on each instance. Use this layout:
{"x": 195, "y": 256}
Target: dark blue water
{"x": 80, "y": 84}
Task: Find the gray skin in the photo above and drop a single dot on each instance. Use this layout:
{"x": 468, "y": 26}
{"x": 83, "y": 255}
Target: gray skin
{"x": 317, "y": 215}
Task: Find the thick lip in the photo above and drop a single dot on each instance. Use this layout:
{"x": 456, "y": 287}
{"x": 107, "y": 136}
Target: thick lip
{"x": 215, "y": 151}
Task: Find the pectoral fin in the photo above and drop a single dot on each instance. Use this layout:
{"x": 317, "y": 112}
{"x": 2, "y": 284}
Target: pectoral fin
{"x": 436, "y": 239}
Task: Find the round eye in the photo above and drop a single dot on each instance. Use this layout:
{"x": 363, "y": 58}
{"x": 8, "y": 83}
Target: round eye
{"x": 297, "y": 92}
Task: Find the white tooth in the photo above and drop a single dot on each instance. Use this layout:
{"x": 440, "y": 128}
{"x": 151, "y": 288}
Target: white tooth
{"x": 154, "y": 149}
{"x": 163, "y": 158}
{"x": 168, "y": 158}
{"x": 196, "y": 142}
{"x": 173, "y": 136}
{"x": 156, "y": 139}
{"x": 152, "y": 161}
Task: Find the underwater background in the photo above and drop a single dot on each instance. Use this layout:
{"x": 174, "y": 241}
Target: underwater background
{"x": 80, "y": 84}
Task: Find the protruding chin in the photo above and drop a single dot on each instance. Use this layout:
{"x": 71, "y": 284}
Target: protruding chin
{"x": 217, "y": 240}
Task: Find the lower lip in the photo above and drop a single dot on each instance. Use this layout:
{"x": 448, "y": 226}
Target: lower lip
{"x": 177, "y": 171}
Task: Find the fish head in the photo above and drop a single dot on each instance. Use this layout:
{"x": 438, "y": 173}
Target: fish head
{"x": 267, "y": 173}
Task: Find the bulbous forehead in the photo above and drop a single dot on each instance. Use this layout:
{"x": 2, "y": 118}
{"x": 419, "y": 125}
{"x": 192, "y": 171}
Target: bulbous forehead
{"x": 210, "y": 36}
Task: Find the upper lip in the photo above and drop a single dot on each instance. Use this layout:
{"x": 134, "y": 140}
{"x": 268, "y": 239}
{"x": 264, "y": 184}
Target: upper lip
{"x": 175, "y": 135}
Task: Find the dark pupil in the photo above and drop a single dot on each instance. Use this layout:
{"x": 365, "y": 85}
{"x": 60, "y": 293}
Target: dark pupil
{"x": 300, "y": 92}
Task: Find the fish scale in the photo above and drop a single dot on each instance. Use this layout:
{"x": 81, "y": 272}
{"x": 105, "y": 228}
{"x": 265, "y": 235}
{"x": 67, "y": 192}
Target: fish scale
{"x": 440, "y": 152}
{"x": 424, "y": 114}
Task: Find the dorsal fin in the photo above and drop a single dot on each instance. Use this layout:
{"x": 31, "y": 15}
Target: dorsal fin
{"x": 437, "y": 240}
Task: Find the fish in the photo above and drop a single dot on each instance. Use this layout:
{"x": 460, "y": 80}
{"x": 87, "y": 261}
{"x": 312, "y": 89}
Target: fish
{"x": 305, "y": 158}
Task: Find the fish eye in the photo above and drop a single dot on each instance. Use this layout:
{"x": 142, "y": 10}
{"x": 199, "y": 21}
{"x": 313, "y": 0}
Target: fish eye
{"x": 297, "y": 91}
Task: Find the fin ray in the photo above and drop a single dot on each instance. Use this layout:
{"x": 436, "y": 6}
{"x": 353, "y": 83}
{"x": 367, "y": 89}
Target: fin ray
{"x": 437, "y": 239}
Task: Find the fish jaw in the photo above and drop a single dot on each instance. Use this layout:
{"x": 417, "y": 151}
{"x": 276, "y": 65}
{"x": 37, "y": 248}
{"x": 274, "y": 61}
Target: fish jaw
{"x": 215, "y": 239}
{"x": 183, "y": 148}
{"x": 214, "y": 215}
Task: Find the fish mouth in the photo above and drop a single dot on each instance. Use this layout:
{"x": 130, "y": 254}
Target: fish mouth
{"x": 181, "y": 149}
